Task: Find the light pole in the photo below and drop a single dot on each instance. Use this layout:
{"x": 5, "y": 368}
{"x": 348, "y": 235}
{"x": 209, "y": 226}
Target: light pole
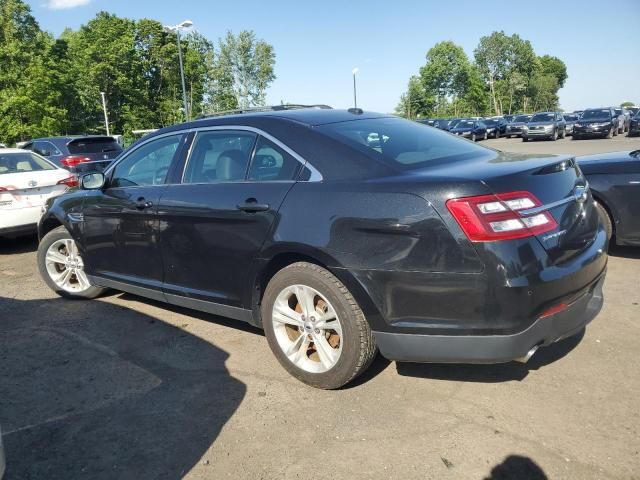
{"x": 355, "y": 97}
{"x": 176, "y": 29}
{"x": 104, "y": 108}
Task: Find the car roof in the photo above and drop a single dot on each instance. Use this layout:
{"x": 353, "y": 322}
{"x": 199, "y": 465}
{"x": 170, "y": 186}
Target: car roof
{"x": 14, "y": 150}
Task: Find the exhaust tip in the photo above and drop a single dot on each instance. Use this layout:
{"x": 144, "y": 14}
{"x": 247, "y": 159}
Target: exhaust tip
{"x": 528, "y": 355}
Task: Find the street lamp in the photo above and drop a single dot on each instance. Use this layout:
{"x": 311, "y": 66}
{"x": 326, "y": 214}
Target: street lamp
{"x": 176, "y": 29}
{"x": 104, "y": 109}
{"x": 355, "y": 98}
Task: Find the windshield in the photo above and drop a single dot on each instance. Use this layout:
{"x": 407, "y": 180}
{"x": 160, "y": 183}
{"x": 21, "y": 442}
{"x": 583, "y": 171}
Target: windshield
{"x": 596, "y": 113}
{"x": 405, "y": 145}
{"x": 491, "y": 122}
{"x": 618, "y": 111}
{"x": 464, "y": 124}
{"x": 543, "y": 117}
{"x": 22, "y": 162}
{"x": 571, "y": 118}
{"x": 94, "y": 145}
{"x": 522, "y": 118}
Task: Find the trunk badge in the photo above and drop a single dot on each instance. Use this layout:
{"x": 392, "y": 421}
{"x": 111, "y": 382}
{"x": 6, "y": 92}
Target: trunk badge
{"x": 32, "y": 183}
{"x": 580, "y": 194}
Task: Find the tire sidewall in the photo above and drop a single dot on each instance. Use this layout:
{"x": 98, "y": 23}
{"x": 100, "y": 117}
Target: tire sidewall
{"x": 342, "y": 372}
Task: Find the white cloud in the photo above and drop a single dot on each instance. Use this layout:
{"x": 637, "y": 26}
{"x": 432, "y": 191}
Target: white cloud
{"x": 65, "y": 4}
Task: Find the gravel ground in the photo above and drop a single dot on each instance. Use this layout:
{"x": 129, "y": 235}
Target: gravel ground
{"x": 123, "y": 387}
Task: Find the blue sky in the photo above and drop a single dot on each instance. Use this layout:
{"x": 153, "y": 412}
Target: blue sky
{"x": 318, "y": 43}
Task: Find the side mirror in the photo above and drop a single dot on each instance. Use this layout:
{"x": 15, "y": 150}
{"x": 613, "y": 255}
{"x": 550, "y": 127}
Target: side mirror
{"x": 92, "y": 181}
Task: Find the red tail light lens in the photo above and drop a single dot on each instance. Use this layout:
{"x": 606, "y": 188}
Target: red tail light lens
{"x": 73, "y": 160}
{"x": 489, "y": 218}
{"x": 69, "y": 182}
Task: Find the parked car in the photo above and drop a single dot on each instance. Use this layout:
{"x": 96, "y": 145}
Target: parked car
{"x": 496, "y": 127}
{"x": 600, "y": 122}
{"x": 624, "y": 119}
{"x": 427, "y": 121}
{"x": 514, "y": 128}
{"x": 26, "y": 181}
{"x": 634, "y": 126}
{"x": 77, "y": 154}
{"x": 2, "y": 145}
{"x": 578, "y": 113}
{"x": 290, "y": 220}
{"x": 614, "y": 179}
{"x": 545, "y": 125}
{"x": 634, "y": 111}
{"x": 570, "y": 119}
{"x": 472, "y": 129}
{"x": 508, "y": 118}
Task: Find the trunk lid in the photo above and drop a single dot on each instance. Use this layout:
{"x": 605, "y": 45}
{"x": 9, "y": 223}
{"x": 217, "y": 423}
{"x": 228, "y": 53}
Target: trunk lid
{"x": 556, "y": 181}
{"x": 30, "y": 189}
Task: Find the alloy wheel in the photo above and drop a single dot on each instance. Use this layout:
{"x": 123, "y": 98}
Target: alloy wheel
{"x": 307, "y": 328}
{"x": 65, "y": 266}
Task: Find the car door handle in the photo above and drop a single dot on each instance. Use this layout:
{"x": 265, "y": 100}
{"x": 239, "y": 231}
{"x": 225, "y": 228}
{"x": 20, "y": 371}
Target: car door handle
{"x": 142, "y": 204}
{"x": 251, "y": 205}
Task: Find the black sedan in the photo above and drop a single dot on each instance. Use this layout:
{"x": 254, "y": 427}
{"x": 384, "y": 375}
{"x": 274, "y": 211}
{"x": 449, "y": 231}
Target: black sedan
{"x": 339, "y": 233}
{"x": 474, "y": 130}
{"x": 496, "y": 127}
{"x": 596, "y": 122}
{"x": 634, "y": 126}
{"x": 614, "y": 179}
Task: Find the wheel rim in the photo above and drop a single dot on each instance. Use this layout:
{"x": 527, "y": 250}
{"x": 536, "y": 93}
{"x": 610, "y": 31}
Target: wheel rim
{"x": 65, "y": 266}
{"x": 307, "y": 328}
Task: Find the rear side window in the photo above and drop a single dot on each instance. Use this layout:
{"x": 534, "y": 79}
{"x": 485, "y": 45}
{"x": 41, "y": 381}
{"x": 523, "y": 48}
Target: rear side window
{"x": 401, "y": 143}
{"x": 93, "y": 145}
{"x": 22, "y": 162}
{"x": 219, "y": 156}
{"x": 272, "y": 163}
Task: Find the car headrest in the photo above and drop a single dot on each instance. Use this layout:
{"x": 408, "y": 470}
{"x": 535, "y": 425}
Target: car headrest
{"x": 231, "y": 166}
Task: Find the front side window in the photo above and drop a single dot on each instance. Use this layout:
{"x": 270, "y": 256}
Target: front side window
{"x": 271, "y": 162}
{"x": 219, "y": 156}
{"x": 147, "y": 165}
{"x": 401, "y": 143}
{"x": 22, "y": 162}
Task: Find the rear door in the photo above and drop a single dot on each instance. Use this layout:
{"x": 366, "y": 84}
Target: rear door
{"x": 121, "y": 221}
{"x": 215, "y": 221}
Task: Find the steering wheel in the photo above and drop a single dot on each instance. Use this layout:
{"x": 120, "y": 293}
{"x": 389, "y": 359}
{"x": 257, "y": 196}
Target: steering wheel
{"x": 160, "y": 175}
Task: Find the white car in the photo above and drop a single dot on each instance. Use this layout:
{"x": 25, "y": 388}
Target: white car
{"x": 27, "y": 180}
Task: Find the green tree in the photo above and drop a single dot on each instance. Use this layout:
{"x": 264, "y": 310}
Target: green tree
{"x": 555, "y": 67}
{"x": 30, "y": 98}
{"x": 627, "y": 104}
{"x": 444, "y": 76}
{"x": 241, "y": 71}
{"x": 415, "y": 102}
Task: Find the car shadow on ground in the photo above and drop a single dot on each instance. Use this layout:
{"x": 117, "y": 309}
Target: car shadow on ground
{"x": 24, "y": 244}
{"x": 624, "y": 252}
{"x": 517, "y": 467}
{"x": 95, "y": 390}
{"x": 495, "y": 373}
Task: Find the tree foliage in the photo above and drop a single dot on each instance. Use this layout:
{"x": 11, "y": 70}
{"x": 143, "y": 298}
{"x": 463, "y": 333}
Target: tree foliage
{"x": 52, "y": 86}
{"x": 505, "y": 76}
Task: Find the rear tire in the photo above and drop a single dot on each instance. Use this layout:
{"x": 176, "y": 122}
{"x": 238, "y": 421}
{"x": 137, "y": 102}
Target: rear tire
{"x": 606, "y": 219}
{"x": 62, "y": 268}
{"x": 290, "y": 327}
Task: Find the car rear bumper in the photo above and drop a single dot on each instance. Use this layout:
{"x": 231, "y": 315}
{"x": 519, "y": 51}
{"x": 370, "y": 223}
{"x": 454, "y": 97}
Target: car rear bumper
{"x": 494, "y": 348}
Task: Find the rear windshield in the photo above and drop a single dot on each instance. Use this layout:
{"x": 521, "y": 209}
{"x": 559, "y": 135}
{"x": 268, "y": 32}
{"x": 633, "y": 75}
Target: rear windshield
{"x": 94, "y": 145}
{"x": 543, "y": 117}
{"x": 596, "y": 113}
{"x": 400, "y": 143}
{"x": 22, "y": 162}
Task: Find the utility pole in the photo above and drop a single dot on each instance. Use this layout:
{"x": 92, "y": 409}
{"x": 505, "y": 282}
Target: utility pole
{"x": 106, "y": 117}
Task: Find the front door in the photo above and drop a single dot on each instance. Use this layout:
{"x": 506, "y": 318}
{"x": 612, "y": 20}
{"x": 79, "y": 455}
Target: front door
{"x": 121, "y": 223}
{"x": 214, "y": 223}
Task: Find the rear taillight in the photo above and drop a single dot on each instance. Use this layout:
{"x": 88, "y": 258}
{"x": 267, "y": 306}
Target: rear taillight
{"x": 73, "y": 160}
{"x": 69, "y": 182}
{"x": 489, "y": 218}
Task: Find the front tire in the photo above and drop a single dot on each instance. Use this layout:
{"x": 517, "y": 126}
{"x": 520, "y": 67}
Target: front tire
{"x": 62, "y": 267}
{"x": 554, "y": 137}
{"x": 315, "y": 328}
{"x": 473, "y": 137}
